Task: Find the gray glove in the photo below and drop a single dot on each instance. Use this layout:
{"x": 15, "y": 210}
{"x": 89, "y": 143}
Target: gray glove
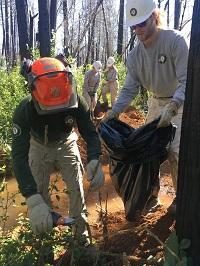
{"x": 40, "y": 214}
{"x": 170, "y": 110}
{"x": 109, "y": 115}
{"x": 95, "y": 175}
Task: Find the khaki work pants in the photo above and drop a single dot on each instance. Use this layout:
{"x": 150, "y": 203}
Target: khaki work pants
{"x": 155, "y": 108}
{"x": 112, "y": 88}
{"x": 64, "y": 156}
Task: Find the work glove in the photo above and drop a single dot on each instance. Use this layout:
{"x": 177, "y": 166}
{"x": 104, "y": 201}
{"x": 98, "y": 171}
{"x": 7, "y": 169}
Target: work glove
{"x": 95, "y": 175}
{"x": 39, "y": 214}
{"x": 110, "y": 115}
{"x": 170, "y": 110}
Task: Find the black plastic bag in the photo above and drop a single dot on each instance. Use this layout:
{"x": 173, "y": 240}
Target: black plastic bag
{"x": 135, "y": 158}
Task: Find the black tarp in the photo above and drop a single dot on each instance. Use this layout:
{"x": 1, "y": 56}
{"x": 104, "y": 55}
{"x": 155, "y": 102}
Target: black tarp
{"x": 135, "y": 158}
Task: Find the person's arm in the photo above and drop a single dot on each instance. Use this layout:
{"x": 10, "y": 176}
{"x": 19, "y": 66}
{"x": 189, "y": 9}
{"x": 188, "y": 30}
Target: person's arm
{"x": 130, "y": 88}
{"x": 20, "y": 151}
{"x": 180, "y": 56}
{"x": 39, "y": 213}
{"x": 97, "y": 83}
{"x": 86, "y": 82}
{"x": 87, "y": 130}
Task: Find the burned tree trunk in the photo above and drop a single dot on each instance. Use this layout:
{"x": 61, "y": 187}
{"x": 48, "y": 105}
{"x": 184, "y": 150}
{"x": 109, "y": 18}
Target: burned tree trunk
{"x": 7, "y": 34}
{"x": 120, "y": 29}
{"x": 44, "y": 28}
{"x": 177, "y": 13}
{"x": 188, "y": 194}
{"x": 53, "y": 15}
{"x": 23, "y": 28}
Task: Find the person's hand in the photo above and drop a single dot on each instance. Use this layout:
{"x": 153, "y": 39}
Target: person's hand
{"x": 39, "y": 214}
{"x": 109, "y": 115}
{"x": 95, "y": 175}
{"x": 170, "y": 110}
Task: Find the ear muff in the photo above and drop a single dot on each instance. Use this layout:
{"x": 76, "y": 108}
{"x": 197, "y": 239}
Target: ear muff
{"x": 31, "y": 79}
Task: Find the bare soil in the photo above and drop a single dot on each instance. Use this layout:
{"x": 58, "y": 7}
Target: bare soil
{"x": 131, "y": 238}
{"x": 113, "y": 233}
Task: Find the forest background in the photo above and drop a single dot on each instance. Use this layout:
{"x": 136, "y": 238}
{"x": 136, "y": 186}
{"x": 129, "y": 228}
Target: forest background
{"x": 84, "y": 31}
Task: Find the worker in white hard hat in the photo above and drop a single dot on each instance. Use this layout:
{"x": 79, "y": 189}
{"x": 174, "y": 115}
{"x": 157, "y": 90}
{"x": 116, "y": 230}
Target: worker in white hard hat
{"x": 91, "y": 83}
{"x": 158, "y": 63}
{"x": 112, "y": 85}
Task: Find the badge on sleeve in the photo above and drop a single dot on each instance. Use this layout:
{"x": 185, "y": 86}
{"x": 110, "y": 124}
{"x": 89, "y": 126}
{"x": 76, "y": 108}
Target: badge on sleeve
{"x": 69, "y": 120}
{"x": 16, "y": 130}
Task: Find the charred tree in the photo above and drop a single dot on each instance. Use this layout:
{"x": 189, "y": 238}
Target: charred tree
{"x": 32, "y": 29}
{"x": 44, "y": 28}
{"x": 91, "y": 31}
{"x": 23, "y": 28}
{"x": 177, "y": 13}
{"x": 120, "y": 29}
{"x": 106, "y": 31}
{"x": 7, "y": 34}
{"x": 93, "y": 14}
{"x": 188, "y": 194}
{"x": 3, "y": 29}
{"x": 66, "y": 28}
{"x": 53, "y": 15}
{"x": 13, "y": 45}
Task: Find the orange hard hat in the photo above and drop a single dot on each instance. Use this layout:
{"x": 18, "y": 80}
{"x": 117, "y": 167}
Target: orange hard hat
{"x": 51, "y": 84}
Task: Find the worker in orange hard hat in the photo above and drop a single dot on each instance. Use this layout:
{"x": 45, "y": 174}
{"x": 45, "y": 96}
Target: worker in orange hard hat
{"x": 44, "y": 139}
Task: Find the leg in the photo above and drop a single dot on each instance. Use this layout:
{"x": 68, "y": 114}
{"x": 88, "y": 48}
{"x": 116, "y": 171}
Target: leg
{"x": 104, "y": 92}
{"x": 87, "y": 98}
{"x": 94, "y": 101}
{"x": 153, "y": 112}
{"x": 41, "y": 164}
{"x": 173, "y": 161}
{"x": 114, "y": 86}
{"x": 93, "y": 104}
{"x": 173, "y": 156}
{"x": 71, "y": 168}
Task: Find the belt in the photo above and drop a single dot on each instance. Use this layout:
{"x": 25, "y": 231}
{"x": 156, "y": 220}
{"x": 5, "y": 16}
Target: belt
{"x": 53, "y": 143}
{"x": 156, "y": 97}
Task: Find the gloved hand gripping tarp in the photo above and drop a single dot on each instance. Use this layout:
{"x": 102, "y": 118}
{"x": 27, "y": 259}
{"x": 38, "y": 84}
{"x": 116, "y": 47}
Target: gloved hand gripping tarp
{"x": 135, "y": 158}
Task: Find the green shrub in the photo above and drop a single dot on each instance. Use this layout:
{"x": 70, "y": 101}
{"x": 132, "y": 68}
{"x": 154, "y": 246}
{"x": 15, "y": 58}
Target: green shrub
{"x": 12, "y": 90}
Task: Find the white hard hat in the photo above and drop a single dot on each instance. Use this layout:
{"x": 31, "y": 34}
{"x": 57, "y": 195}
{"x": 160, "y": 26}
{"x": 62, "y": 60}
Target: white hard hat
{"x": 110, "y": 61}
{"x": 97, "y": 65}
{"x": 137, "y": 11}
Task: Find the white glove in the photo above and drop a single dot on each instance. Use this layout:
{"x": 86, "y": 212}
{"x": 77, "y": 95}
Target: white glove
{"x": 170, "y": 110}
{"x": 109, "y": 115}
{"x": 95, "y": 175}
{"x": 40, "y": 214}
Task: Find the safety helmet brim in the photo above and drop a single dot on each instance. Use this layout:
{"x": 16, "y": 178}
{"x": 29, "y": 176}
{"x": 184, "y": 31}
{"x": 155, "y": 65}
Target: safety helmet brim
{"x": 138, "y": 12}
{"x": 130, "y": 23}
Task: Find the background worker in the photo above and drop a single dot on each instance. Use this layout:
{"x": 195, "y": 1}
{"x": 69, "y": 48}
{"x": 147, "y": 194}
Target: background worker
{"x": 44, "y": 138}
{"x": 63, "y": 59}
{"x": 159, "y": 64}
{"x": 112, "y": 85}
{"x": 91, "y": 83}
